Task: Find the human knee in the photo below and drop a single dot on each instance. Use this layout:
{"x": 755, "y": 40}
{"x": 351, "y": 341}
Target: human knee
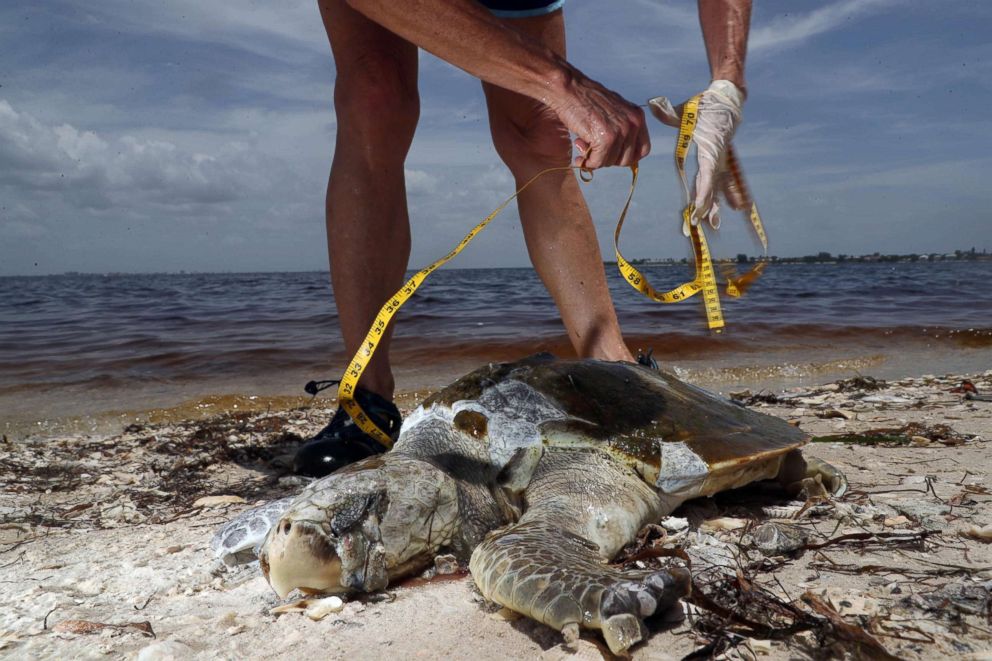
{"x": 535, "y": 140}
{"x": 375, "y": 97}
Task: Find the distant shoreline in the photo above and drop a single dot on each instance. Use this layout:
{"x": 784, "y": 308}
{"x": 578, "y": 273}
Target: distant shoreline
{"x": 821, "y": 258}
{"x": 827, "y": 258}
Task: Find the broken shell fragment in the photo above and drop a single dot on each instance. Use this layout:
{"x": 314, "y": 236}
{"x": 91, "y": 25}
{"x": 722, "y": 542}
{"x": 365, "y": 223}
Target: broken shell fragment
{"x": 722, "y": 523}
{"x": 315, "y": 609}
{"x": 778, "y": 538}
{"x": 321, "y": 608}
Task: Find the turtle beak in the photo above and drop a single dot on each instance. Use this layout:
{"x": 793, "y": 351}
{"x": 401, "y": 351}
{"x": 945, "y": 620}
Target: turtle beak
{"x": 298, "y": 555}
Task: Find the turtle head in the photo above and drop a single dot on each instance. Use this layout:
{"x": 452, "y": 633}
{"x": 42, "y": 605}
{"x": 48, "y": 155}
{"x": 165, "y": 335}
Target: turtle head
{"x": 358, "y": 528}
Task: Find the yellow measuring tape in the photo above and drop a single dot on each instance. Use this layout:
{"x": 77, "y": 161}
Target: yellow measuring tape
{"x": 349, "y": 382}
{"x": 704, "y": 279}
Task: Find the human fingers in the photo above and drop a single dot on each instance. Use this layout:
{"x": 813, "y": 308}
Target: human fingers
{"x": 704, "y": 189}
{"x": 637, "y": 144}
{"x": 664, "y": 111}
{"x": 623, "y": 136}
{"x": 611, "y": 129}
{"x": 582, "y": 147}
{"x": 736, "y": 198}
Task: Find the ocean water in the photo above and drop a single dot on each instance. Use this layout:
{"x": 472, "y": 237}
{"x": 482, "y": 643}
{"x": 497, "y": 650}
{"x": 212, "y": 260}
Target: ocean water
{"x": 76, "y": 346}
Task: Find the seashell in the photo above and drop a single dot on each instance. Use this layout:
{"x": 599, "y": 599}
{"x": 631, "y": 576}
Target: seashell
{"x": 315, "y": 609}
{"x": 722, "y": 523}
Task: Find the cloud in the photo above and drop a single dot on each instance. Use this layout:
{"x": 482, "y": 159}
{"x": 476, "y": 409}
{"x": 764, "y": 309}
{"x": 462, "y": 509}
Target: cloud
{"x": 792, "y": 30}
{"x": 420, "y": 182}
{"x": 262, "y": 27}
{"x": 20, "y": 230}
{"x": 192, "y": 134}
{"x": 99, "y": 172}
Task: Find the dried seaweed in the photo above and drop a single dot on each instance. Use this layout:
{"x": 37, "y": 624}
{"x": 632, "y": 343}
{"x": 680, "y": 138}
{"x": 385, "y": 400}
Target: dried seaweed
{"x": 747, "y": 398}
{"x": 904, "y": 435}
{"x": 861, "y": 383}
{"x": 857, "y": 639}
{"x": 171, "y": 465}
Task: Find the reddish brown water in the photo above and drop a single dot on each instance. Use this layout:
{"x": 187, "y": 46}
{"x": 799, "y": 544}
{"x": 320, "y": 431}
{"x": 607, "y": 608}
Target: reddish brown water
{"x": 85, "y": 345}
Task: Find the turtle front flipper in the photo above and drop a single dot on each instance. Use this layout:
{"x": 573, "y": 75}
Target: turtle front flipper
{"x": 560, "y": 579}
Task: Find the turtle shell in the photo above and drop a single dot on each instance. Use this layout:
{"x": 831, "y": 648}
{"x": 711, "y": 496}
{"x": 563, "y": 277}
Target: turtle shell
{"x": 676, "y": 436}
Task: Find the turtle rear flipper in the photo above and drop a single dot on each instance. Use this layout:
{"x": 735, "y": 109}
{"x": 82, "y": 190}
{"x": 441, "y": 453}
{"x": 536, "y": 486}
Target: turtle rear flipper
{"x": 833, "y": 480}
{"x": 814, "y": 476}
{"x": 560, "y": 579}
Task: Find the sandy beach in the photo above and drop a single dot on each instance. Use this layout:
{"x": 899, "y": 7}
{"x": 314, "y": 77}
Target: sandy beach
{"x": 104, "y": 546}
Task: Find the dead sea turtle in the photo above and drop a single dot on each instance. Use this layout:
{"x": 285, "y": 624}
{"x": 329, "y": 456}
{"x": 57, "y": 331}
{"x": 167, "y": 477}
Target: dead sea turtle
{"x": 539, "y": 471}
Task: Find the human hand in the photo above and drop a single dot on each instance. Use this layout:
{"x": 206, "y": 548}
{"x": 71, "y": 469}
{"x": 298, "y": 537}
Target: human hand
{"x": 608, "y": 129}
{"x": 719, "y": 113}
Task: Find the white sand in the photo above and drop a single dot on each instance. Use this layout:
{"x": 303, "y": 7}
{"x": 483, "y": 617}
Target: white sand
{"x": 108, "y": 534}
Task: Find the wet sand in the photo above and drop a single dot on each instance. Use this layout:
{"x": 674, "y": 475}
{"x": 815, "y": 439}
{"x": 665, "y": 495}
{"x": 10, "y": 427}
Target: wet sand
{"x": 106, "y": 529}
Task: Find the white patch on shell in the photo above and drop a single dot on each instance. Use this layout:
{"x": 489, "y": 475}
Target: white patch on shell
{"x": 420, "y": 414}
{"x": 514, "y": 411}
{"x": 682, "y": 471}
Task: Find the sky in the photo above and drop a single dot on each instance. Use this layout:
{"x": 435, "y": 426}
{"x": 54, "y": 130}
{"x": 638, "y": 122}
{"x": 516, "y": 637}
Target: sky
{"x": 197, "y": 135}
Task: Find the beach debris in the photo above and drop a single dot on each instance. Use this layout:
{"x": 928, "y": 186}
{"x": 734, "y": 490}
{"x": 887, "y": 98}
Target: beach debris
{"x": 886, "y": 399}
{"x": 83, "y": 627}
{"x": 314, "y": 608}
{"x": 836, "y": 413}
{"x": 710, "y": 555}
{"x": 970, "y": 392}
{"x": 747, "y": 398}
{"x": 982, "y": 534}
{"x": 861, "y": 383}
{"x": 963, "y": 597}
{"x": 773, "y": 539}
{"x": 909, "y": 434}
{"x": 321, "y": 608}
{"x": 792, "y": 510}
{"x": 120, "y": 512}
{"x": 218, "y": 501}
{"x": 856, "y": 638}
{"x": 722, "y": 524}
{"x": 674, "y": 523}
{"x": 927, "y": 514}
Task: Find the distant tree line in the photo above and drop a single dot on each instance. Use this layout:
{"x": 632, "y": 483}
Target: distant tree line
{"x": 828, "y": 258}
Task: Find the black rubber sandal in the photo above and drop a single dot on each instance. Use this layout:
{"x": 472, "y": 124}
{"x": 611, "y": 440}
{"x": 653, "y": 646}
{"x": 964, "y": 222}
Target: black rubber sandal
{"x": 341, "y": 442}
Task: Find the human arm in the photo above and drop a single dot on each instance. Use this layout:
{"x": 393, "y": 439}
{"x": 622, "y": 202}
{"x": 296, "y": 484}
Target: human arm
{"x": 725, "y": 25}
{"x": 611, "y": 130}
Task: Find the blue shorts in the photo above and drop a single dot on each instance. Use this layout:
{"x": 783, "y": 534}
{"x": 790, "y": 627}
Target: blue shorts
{"x": 521, "y": 8}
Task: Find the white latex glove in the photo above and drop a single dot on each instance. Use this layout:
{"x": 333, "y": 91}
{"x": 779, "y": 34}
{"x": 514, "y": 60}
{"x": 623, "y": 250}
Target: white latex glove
{"x": 719, "y": 114}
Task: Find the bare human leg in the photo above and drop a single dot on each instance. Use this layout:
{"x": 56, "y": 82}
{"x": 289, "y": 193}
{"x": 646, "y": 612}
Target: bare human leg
{"x": 368, "y": 227}
{"x": 561, "y": 238}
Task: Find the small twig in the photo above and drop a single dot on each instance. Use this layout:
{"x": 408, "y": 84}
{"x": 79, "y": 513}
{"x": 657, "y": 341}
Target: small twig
{"x": 871, "y": 537}
{"x": 860, "y": 639}
{"x": 144, "y": 605}
{"x": 44, "y": 623}
{"x": 872, "y": 493}
{"x": 14, "y": 561}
